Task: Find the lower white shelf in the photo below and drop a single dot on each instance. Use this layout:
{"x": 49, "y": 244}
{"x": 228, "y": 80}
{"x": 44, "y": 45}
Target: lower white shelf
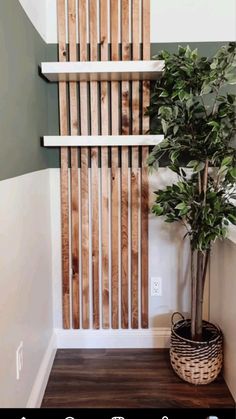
{"x": 101, "y": 70}
{"x": 102, "y": 140}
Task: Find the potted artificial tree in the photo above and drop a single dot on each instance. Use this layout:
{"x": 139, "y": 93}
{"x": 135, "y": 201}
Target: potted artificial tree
{"x": 191, "y": 106}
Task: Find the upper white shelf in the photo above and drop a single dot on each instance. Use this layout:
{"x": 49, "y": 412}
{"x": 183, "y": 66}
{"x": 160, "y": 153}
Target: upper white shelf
{"x": 102, "y": 140}
{"x": 103, "y": 70}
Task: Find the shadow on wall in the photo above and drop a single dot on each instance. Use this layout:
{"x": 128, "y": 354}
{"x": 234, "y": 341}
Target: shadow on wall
{"x": 169, "y": 258}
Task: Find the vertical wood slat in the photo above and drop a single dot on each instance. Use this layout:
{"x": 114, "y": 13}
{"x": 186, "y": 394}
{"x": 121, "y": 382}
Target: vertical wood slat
{"x": 114, "y": 19}
{"x": 82, "y": 9}
{"x": 74, "y": 171}
{"x": 105, "y": 170}
{"x": 144, "y": 181}
{"x": 125, "y": 170}
{"x": 135, "y": 177}
{"x": 64, "y": 171}
{"x": 94, "y": 167}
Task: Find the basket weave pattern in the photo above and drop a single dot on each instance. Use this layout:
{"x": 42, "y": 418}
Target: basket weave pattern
{"x": 196, "y": 362}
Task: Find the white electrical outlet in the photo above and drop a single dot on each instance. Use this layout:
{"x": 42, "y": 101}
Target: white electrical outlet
{"x": 156, "y": 287}
{"x": 19, "y": 360}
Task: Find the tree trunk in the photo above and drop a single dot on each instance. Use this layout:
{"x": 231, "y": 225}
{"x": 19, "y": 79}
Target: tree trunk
{"x": 206, "y": 262}
{"x": 198, "y": 279}
{"x": 199, "y": 296}
{"x": 193, "y": 297}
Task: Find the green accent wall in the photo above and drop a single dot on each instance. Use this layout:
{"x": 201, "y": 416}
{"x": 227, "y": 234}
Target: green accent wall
{"x": 23, "y": 94}
{"x": 28, "y": 103}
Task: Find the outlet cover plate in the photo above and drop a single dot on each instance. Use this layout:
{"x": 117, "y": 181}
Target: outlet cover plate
{"x": 156, "y": 286}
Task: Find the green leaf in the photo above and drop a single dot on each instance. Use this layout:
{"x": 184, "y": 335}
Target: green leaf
{"x": 192, "y": 163}
{"x": 232, "y": 218}
{"x": 199, "y": 167}
{"x": 206, "y": 89}
{"x": 188, "y": 52}
{"x": 181, "y": 95}
{"x": 194, "y": 54}
{"x": 181, "y": 50}
{"x": 214, "y": 65}
{"x": 164, "y": 126}
{"x": 181, "y": 206}
{"x": 231, "y": 98}
{"x": 189, "y": 103}
{"x": 196, "y": 165}
{"x": 184, "y": 211}
{"x": 175, "y": 129}
{"x": 231, "y": 78}
{"x": 182, "y": 171}
{"x": 165, "y": 112}
{"x": 215, "y": 125}
{"x": 227, "y": 161}
{"x": 174, "y": 156}
{"x": 233, "y": 172}
{"x": 157, "y": 209}
{"x": 164, "y": 94}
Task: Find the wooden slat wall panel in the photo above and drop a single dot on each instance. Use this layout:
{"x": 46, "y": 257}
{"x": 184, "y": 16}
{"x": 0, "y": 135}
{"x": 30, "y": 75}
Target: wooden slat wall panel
{"x": 94, "y": 166}
{"x": 124, "y": 171}
{"x": 129, "y": 186}
{"x": 64, "y": 171}
{"x": 144, "y": 182}
{"x": 115, "y": 198}
{"x": 135, "y": 175}
{"x": 74, "y": 170}
{"x": 84, "y": 170}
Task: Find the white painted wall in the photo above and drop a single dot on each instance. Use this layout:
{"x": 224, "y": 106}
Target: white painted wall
{"x": 171, "y": 20}
{"x": 222, "y": 304}
{"x": 36, "y": 10}
{"x": 25, "y": 282}
{"x": 168, "y": 258}
{"x": 193, "y": 20}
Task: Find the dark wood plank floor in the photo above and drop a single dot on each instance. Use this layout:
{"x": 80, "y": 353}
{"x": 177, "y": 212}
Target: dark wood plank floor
{"x": 128, "y": 378}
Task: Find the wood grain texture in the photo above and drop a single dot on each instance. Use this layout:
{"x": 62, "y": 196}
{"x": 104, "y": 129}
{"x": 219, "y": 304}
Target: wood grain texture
{"x": 125, "y": 129}
{"x": 135, "y": 173}
{"x": 74, "y": 172}
{"x": 126, "y": 378}
{"x": 105, "y": 170}
{"x": 94, "y": 164}
{"x": 82, "y": 9}
{"x": 115, "y": 192}
{"x": 144, "y": 180}
{"x": 64, "y": 170}
{"x": 135, "y": 205}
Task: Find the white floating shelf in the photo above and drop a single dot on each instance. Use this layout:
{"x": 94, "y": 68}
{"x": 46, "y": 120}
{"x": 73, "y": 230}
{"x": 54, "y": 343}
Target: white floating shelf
{"x": 106, "y": 70}
{"x": 102, "y": 140}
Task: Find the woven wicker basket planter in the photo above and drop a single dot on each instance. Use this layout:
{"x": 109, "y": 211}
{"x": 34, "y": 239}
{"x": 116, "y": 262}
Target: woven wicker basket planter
{"x": 196, "y": 362}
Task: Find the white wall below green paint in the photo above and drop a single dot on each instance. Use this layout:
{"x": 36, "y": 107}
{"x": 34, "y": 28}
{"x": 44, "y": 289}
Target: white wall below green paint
{"x": 26, "y": 285}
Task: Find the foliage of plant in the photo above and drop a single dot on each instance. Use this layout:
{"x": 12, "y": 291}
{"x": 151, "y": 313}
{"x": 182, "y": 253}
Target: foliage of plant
{"x": 192, "y": 106}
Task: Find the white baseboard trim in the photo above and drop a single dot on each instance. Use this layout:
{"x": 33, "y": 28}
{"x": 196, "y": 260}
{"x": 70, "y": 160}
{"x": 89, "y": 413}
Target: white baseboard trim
{"x": 85, "y": 339}
{"x": 41, "y": 380}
